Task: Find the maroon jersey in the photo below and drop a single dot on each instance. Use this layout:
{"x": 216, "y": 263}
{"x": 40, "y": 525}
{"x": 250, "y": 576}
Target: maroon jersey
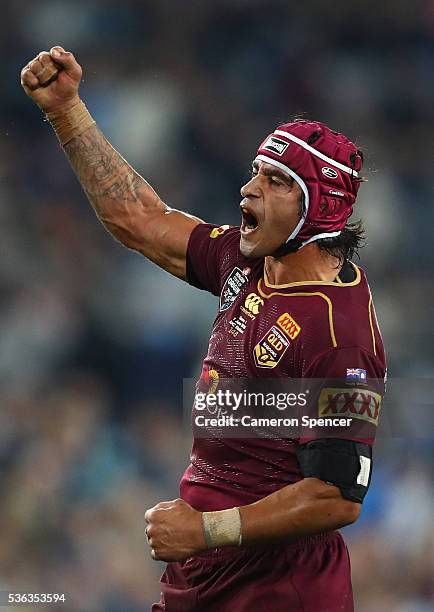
{"x": 314, "y": 330}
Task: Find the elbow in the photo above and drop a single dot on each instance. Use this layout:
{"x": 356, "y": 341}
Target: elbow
{"x": 134, "y": 225}
{"x": 340, "y": 513}
{"x": 345, "y": 511}
{"x": 349, "y": 512}
{"x": 128, "y": 226}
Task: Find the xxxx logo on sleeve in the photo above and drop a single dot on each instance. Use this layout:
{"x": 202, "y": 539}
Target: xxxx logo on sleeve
{"x": 361, "y": 404}
{"x": 271, "y": 348}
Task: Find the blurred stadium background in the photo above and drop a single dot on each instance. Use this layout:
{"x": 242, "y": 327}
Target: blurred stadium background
{"x": 95, "y": 341}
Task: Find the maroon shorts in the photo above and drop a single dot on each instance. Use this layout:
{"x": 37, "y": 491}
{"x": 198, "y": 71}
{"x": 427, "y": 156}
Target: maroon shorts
{"x": 311, "y": 575}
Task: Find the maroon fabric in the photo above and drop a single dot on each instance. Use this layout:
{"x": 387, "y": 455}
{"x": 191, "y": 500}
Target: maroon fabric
{"x": 227, "y": 472}
{"x": 331, "y": 195}
{"x": 310, "y": 576}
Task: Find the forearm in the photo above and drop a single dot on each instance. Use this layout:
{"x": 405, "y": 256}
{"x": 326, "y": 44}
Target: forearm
{"x": 128, "y": 207}
{"x": 305, "y": 508}
{"x": 124, "y": 202}
{"x": 121, "y": 198}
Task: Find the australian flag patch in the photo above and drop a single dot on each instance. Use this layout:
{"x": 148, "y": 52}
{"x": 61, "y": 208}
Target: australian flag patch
{"x": 356, "y": 374}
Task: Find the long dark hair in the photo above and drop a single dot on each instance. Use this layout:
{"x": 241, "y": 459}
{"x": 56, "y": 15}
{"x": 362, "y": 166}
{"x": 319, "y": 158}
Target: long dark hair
{"x": 347, "y": 244}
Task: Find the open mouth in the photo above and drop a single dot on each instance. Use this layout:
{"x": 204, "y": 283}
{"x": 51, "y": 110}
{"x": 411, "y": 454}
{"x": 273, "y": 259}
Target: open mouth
{"x": 249, "y": 222}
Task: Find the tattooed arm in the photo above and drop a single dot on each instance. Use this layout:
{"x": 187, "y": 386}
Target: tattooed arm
{"x": 125, "y": 203}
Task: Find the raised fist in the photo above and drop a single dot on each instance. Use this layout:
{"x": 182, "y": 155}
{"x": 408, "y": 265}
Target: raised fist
{"x": 52, "y": 79}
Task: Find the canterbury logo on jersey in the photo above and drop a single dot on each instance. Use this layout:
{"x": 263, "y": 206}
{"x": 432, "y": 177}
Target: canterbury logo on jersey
{"x": 357, "y": 403}
{"x": 253, "y": 303}
{"x": 289, "y": 326}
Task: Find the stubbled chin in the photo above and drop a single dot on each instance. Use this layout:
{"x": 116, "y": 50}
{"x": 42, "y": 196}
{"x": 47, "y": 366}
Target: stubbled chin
{"x": 248, "y": 249}
{"x": 257, "y": 247}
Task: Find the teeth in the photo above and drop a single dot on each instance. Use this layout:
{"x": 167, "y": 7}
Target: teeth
{"x": 247, "y": 225}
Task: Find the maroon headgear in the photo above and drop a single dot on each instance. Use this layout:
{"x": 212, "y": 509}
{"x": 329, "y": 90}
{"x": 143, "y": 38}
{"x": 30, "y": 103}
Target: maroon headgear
{"x": 325, "y": 164}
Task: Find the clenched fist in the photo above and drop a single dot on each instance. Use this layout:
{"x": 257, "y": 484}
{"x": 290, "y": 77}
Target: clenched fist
{"x": 174, "y": 531}
{"x": 51, "y": 80}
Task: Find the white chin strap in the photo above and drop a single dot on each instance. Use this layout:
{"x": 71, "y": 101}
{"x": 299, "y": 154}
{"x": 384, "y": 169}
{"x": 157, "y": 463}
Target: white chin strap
{"x": 303, "y": 186}
{"x": 318, "y": 237}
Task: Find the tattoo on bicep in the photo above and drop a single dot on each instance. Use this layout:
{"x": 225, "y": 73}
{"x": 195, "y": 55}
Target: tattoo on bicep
{"x": 103, "y": 173}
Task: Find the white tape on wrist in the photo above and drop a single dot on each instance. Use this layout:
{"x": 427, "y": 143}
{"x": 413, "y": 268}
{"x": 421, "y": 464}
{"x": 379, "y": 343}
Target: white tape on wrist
{"x": 222, "y": 528}
{"x": 71, "y": 123}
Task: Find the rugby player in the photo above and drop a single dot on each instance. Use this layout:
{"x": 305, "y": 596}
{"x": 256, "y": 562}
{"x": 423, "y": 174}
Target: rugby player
{"x": 256, "y": 526}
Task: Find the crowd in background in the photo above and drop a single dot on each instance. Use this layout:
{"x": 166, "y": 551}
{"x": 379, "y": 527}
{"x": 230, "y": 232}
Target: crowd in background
{"x": 95, "y": 341}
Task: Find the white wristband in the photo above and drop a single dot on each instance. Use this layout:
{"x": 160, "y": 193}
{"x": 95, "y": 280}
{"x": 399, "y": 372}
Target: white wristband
{"x": 222, "y": 528}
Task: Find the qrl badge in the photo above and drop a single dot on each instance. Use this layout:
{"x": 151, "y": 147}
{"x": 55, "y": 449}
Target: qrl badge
{"x": 231, "y": 289}
{"x": 270, "y": 349}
